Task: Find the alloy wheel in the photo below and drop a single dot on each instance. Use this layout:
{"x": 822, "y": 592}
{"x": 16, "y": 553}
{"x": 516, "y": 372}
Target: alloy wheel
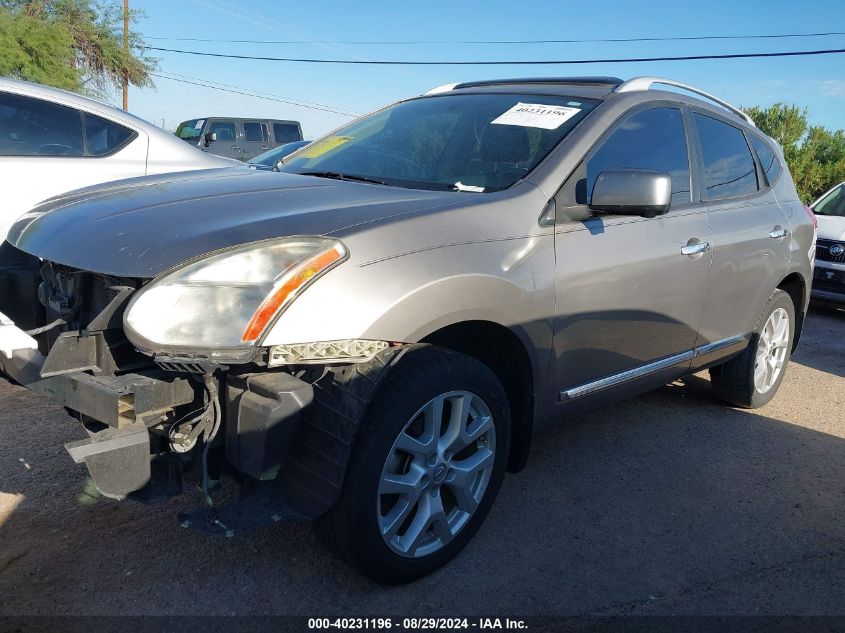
{"x": 771, "y": 350}
{"x": 436, "y": 474}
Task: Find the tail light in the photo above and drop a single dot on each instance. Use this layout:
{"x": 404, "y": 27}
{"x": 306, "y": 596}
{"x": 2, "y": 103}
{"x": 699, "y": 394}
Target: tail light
{"x": 813, "y": 218}
{"x": 812, "y": 252}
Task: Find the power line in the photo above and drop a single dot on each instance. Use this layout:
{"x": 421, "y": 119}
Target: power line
{"x": 248, "y": 93}
{"x": 299, "y": 102}
{"x": 507, "y": 42}
{"x": 545, "y": 62}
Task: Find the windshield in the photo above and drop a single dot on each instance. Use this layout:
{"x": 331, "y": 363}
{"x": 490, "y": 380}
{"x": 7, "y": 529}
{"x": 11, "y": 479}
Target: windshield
{"x": 190, "y": 130}
{"x": 474, "y": 142}
{"x": 833, "y": 203}
{"x": 273, "y": 156}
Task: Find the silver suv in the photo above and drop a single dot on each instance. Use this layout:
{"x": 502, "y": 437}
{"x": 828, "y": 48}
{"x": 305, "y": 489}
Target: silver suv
{"x": 372, "y": 337}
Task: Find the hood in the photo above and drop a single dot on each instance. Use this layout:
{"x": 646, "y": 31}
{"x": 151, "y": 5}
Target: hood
{"x": 144, "y": 226}
{"x": 831, "y": 227}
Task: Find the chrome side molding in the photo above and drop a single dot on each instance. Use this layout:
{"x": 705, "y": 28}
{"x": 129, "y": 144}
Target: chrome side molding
{"x": 625, "y": 376}
{"x": 649, "y": 368}
{"x": 715, "y": 346}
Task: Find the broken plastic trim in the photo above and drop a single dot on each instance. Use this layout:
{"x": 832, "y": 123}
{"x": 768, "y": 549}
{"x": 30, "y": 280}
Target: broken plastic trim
{"x": 325, "y": 351}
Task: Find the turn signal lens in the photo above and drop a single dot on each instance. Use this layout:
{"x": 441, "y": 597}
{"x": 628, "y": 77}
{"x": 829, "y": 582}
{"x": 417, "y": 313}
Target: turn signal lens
{"x": 287, "y": 288}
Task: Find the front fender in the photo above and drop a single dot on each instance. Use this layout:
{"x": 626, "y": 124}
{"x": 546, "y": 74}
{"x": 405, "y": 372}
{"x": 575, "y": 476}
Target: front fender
{"x": 406, "y": 298}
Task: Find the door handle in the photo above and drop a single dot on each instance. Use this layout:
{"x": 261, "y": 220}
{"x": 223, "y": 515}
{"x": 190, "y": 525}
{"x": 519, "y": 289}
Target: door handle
{"x": 264, "y": 147}
{"x": 235, "y": 147}
{"x": 778, "y": 232}
{"x": 695, "y": 248}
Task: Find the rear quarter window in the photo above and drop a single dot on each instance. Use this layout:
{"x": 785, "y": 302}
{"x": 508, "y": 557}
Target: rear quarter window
{"x": 768, "y": 161}
{"x": 104, "y": 137}
{"x": 286, "y": 133}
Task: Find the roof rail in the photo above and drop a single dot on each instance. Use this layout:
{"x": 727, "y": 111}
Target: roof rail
{"x": 583, "y": 81}
{"x": 645, "y": 83}
{"x": 439, "y": 89}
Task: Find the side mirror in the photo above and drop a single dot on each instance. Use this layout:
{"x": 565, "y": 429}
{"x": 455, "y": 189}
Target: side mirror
{"x": 632, "y": 192}
{"x": 210, "y": 138}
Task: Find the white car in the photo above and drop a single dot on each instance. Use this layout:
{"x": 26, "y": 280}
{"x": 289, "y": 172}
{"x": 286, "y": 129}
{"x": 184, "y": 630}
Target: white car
{"x": 829, "y": 278}
{"x": 53, "y": 141}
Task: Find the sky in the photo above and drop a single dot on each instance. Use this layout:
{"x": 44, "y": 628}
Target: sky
{"x": 817, "y": 83}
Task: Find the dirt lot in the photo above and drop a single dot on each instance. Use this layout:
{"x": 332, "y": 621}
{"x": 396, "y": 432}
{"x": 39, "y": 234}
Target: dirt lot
{"x": 670, "y": 504}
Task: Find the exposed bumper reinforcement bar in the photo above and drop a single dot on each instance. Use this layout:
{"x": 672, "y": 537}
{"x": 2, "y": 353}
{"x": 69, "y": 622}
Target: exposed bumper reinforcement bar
{"x": 118, "y": 401}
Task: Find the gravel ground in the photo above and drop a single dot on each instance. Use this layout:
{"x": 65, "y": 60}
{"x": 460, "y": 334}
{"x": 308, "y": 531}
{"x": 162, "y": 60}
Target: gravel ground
{"x": 667, "y": 504}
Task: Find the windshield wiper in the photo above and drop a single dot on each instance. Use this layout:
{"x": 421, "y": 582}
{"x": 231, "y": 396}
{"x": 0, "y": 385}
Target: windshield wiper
{"x": 336, "y": 175}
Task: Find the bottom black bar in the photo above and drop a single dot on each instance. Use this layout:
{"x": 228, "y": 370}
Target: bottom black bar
{"x": 280, "y": 624}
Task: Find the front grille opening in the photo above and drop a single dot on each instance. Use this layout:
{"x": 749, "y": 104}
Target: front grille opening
{"x": 823, "y": 251}
{"x": 79, "y": 297}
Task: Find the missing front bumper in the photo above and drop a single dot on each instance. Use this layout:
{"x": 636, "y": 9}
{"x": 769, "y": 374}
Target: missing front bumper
{"x": 117, "y": 401}
{"x": 118, "y": 454}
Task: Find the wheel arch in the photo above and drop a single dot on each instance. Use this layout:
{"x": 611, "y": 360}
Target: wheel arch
{"x": 795, "y": 286}
{"x": 505, "y": 353}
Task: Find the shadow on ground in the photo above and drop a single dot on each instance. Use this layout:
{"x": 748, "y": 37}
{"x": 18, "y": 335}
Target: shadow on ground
{"x": 669, "y": 503}
{"x": 826, "y": 350}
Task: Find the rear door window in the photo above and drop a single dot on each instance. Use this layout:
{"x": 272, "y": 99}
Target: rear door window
{"x": 104, "y": 137}
{"x": 255, "y": 131}
{"x": 652, "y": 140}
{"x": 768, "y": 161}
{"x": 33, "y": 127}
{"x": 729, "y": 169}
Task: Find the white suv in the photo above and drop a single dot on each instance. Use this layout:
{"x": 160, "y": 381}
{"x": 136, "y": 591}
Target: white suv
{"x": 52, "y": 141}
{"x": 829, "y": 277}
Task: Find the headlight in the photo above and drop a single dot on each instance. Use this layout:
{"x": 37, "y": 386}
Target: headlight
{"x": 222, "y": 304}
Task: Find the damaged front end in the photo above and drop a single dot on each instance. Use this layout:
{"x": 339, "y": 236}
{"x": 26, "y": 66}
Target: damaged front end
{"x": 283, "y": 432}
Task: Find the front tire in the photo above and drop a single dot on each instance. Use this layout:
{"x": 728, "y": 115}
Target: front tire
{"x": 751, "y": 379}
{"x": 426, "y": 467}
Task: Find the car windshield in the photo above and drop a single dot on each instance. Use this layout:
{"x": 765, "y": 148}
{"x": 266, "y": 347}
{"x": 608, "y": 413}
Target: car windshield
{"x": 189, "y": 130}
{"x": 473, "y": 142}
{"x": 273, "y": 156}
{"x": 833, "y": 203}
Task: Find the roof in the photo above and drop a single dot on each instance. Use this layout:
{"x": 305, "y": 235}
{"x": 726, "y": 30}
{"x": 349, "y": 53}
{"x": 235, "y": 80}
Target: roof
{"x": 551, "y": 81}
{"x": 244, "y": 118}
{"x": 599, "y": 87}
{"x": 74, "y": 100}
{"x": 588, "y": 87}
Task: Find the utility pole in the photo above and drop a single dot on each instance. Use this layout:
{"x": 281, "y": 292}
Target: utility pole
{"x": 126, "y": 53}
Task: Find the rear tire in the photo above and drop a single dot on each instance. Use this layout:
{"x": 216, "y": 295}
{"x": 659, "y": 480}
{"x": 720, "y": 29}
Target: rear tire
{"x": 406, "y": 471}
{"x": 751, "y": 379}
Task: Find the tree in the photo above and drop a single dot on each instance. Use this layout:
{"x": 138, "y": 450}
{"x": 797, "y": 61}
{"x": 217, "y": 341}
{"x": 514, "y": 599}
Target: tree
{"x": 74, "y": 44}
{"x": 814, "y": 154}
{"x": 35, "y": 50}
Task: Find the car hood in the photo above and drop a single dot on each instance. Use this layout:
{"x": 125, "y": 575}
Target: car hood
{"x": 144, "y": 226}
{"x": 831, "y": 227}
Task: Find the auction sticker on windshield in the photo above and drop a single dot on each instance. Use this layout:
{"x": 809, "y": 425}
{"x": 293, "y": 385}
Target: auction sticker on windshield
{"x": 326, "y": 145}
{"x": 547, "y": 117}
